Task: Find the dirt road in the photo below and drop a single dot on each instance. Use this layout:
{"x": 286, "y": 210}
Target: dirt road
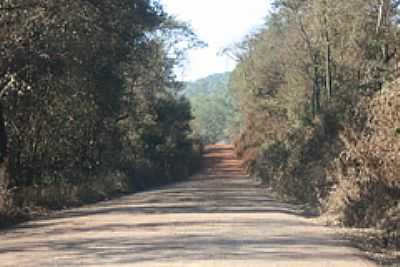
{"x": 218, "y": 218}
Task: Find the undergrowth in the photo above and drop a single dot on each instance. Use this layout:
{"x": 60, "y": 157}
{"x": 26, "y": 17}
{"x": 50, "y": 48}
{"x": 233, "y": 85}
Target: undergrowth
{"x": 348, "y": 167}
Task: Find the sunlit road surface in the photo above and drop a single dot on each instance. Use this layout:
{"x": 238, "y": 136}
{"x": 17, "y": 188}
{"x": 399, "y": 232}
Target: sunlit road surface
{"x": 218, "y": 218}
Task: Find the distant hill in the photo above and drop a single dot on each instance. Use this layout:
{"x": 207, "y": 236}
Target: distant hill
{"x": 212, "y": 108}
{"x": 207, "y": 86}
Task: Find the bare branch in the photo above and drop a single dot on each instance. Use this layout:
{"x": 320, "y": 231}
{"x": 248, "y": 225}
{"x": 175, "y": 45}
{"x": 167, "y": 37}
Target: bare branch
{"x": 20, "y": 7}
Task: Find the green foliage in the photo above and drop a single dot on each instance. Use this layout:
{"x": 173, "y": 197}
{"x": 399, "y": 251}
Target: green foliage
{"x": 207, "y": 86}
{"x": 88, "y": 90}
{"x": 213, "y": 108}
{"x": 276, "y": 155}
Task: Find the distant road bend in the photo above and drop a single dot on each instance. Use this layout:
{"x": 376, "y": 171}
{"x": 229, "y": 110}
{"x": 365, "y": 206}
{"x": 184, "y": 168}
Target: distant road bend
{"x": 218, "y": 218}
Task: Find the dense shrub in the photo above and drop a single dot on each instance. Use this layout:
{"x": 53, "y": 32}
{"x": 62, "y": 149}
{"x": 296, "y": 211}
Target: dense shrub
{"x": 366, "y": 173}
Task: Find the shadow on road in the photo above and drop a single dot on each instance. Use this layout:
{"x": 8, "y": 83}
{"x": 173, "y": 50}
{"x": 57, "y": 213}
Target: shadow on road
{"x": 219, "y": 214}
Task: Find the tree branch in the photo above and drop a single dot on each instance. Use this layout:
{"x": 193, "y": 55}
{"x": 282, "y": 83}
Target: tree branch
{"x": 14, "y": 8}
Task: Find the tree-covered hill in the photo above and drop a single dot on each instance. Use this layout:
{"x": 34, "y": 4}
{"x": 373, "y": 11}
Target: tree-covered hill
{"x": 212, "y": 108}
{"x": 208, "y": 85}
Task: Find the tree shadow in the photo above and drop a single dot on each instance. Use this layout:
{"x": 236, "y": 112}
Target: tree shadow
{"x": 212, "y": 216}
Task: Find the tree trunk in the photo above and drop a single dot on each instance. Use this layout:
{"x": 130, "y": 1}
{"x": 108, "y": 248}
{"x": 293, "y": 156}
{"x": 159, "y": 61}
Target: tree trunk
{"x": 4, "y": 174}
{"x": 316, "y": 98}
{"x": 380, "y": 16}
{"x": 328, "y": 67}
{"x": 3, "y": 137}
{"x": 328, "y": 75}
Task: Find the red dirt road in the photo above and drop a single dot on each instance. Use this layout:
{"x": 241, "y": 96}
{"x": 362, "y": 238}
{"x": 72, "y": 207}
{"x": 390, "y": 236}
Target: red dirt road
{"x": 219, "y": 218}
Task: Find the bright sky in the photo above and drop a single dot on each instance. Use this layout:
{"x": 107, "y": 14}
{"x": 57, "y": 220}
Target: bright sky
{"x": 219, "y": 23}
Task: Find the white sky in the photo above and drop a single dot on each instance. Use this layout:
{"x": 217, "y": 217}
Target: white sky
{"x": 219, "y": 23}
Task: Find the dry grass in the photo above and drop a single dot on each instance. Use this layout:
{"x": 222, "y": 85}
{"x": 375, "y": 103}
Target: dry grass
{"x": 366, "y": 173}
{"x": 372, "y": 243}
